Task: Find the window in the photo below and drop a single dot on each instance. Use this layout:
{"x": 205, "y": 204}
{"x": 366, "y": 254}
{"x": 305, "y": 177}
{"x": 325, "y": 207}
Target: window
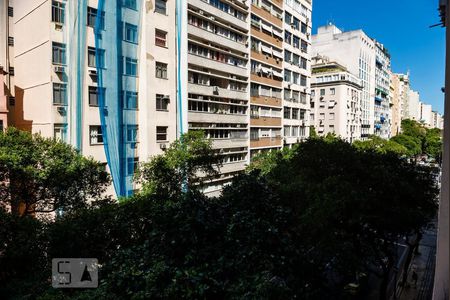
{"x": 91, "y": 57}
{"x": 322, "y": 92}
{"x": 287, "y": 56}
{"x": 132, "y": 165}
{"x": 160, "y": 38}
{"x": 92, "y": 18}
{"x": 132, "y": 133}
{"x": 58, "y": 12}
{"x": 59, "y": 53}
{"x": 130, "y": 4}
{"x": 131, "y": 66}
{"x": 10, "y": 41}
{"x": 12, "y": 101}
{"x": 60, "y": 132}
{"x": 11, "y": 71}
{"x": 2, "y": 127}
{"x": 303, "y": 80}
{"x": 160, "y": 6}
{"x": 332, "y": 91}
{"x": 161, "y": 70}
{"x": 131, "y": 33}
{"x": 304, "y": 63}
{"x": 94, "y": 93}
{"x": 162, "y": 102}
{"x": 10, "y": 11}
{"x": 287, "y": 112}
{"x": 331, "y": 116}
{"x": 96, "y": 135}
{"x": 130, "y": 100}
{"x": 161, "y": 133}
{"x": 295, "y": 113}
{"x": 59, "y": 93}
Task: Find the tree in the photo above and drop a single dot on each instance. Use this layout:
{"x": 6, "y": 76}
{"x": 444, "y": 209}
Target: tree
{"x": 433, "y": 143}
{"x": 40, "y": 175}
{"x": 412, "y": 144}
{"x": 186, "y": 164}
{"x": 381, "y": 146}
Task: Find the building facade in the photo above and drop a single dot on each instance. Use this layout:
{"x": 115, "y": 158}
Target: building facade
{"x": 382, "y": 101}
{"x": 356, "y": 51}
{"x": 426, "y": 115}
{"x": 335, "y": 100}
{"x": 119, "y": 80}
{"x": 396, "y": 104}
{"x": 413, "y": 106}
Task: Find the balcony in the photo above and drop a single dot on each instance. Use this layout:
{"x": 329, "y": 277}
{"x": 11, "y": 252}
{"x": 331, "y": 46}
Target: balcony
{"x": 216, "y": 65}
{"x": 229, "y": 143}
{"x": 266, "y": 142}
{"x": 209, "y": 36}
{"x": 209, "y": 117}
{"x": 266, "y": 121}
{"x": 219, "y": 13}
{"x": 263, "y": 100}
{"x": 266, "y": 80}
{"x": 211, "y": 91}
{"x": 266, "y": 37}
{"x": 266, "y": 59}
{"x": 267, "y": 15}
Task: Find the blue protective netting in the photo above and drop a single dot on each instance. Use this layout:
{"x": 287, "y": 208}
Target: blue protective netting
{"x": 118, "y": 85}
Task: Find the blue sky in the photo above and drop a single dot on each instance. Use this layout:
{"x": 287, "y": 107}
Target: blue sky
{"x": 403, "y": 27}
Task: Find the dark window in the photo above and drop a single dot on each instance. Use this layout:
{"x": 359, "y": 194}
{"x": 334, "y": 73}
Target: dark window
{"x": 96, "y": 135}
{"x": 161, "y": 70}
{"x": 59, "y": 93}
{"x": 131, "y": 33}
{"x": 10, "y": 11}
{"x": 132, "y": 133}
{"x": 160, "y": 38}
{"x": 132, "y": 165}
{"x": 130, "y": 100}
{"x": 10, "y": 41}
{"x": 94, "y": 93}
{"x": 130, "y": 4}
{"x": 91, "y": 57}
{"x": 161, "y": 133}
{"x": 11, "y": 71}
{"x": 131, "y": 66}
{"x": 160, "y": 6}
{"x": 58, "y": 12}
{"x": 59, "y": 53}
{"x": 92, "y": 18}
{"x": 162, "y": 102}
{"x": 12, "y": 101}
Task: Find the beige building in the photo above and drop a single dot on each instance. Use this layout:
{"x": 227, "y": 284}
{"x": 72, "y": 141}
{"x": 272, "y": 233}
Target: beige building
{"x": 438, "y": 120}
{"x": 426, "y": 115}
{"x": 413, "y": 110}
{"x": 7, "y": 70}
{"x": 335, "y": 100}
{"x": 396, "y": 104}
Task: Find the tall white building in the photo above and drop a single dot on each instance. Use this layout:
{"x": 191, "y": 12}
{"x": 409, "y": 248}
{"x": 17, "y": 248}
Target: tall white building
{"x": 382, "y": 104}
{"x": 426, "y": 115}
{"x": 335, "y": 100}
{"x": 356, "y": 51}
{"x": 413, "y": 106}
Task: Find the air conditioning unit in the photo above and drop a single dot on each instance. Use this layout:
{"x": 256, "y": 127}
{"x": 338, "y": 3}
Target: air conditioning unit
{"x": 307, "y": 20}
{"x": 92, "y": 72}
{"x": 216, "y": 89}
{"x": 200, "y": 12}
{"x": 59, "y": 69}
{"x": 58, "y": 26}
{"x": 163, "y": 146}
{"x": 166, "y": 97}
{"x": 61, "y": 110}
{"x": 212, "y": 18}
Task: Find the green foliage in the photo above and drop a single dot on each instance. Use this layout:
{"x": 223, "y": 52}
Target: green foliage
{"x": 189, "y": 160}
{"x": 40, "y": 175}
{"x": 381, "y": 146}
{"x": 412, "y": 144}
{"x": 302, "y": 224}
{"x": 433, "y": 143}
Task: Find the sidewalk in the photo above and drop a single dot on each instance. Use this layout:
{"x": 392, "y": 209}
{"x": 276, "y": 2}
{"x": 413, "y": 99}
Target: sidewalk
{"x": 424, "y": 265}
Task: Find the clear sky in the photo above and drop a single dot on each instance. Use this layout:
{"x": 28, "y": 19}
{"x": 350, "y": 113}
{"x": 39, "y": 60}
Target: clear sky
{"x": 403, "y": 27}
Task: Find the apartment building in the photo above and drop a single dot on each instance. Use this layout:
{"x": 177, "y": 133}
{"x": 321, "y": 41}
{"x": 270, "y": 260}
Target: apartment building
{"x": 382, "y": 104}
{"x": 218, "y": 81}
{"x": 396, "y": 104}
{"x": 6, "y": 61}
{"x": 404, "y": 90}
{"x": 297, "y": 71}
{"x": 426, "y": 115}
{"x": 335, "y": 100}
{"x": 413, "y": 106}
{"x": 355, "y": 51}
{"x": 266, "y": 78}
{"x": 99, "y": 75}
{"x": 438, "y": 120}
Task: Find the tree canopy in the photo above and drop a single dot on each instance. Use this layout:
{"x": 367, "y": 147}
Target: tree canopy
{"x": 40, "y": 175}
